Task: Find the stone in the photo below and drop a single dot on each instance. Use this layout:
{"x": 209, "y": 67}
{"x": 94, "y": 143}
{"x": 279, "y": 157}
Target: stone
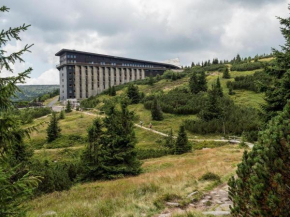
{"x": 208, "y": 197}
{"x": 203, "y": 201}
{"x": 165, "y": 215}
{"x": 172, "y": 204}
{"x": 217, "y": 213}
{"x": 49, "y": 213}
{"x": 225, "y": 199}
{"x": 193, "y": 193}
{"x": 218, "y": 202}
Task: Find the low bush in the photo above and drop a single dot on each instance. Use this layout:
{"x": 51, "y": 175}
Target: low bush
{"x": 27, "y": 115}
{"x": 209, "y": 176}
{"x": 143, "y": 154}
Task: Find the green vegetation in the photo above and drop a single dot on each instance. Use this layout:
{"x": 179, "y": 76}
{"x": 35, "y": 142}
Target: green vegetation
{"x": 29, "y": 114}
{"x": 31, "y": 92}
{"x": 16, "y": 182}
{"x": 156, "y": 112}
{"x": 68, "y": 108}
{"x": 53, "y": 130}
{"x": 261, "y": 188}
{"x": 182, "y": 145}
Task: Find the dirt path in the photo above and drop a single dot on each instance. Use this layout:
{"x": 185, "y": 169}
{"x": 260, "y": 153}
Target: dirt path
{"x": 164, "y": 134}
{"x": 216, "y": 203}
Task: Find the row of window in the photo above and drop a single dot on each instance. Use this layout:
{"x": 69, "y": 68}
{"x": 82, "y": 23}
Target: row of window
{"x": 71, "y": 56}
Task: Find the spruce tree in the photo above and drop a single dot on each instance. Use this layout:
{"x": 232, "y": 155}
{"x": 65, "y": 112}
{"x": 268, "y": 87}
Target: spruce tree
{"x": 61, "y": 115}
{"x": 226, "y": 74}
{"x": 182, "y": 145}
{"x": 133, "y": 94}
{"x": 212, "y": 108}
{"x": 202, "y": 83}
{"x": 156, "y": 112}
{"x": 92, "y": 153}
{"x": 279, "y": 92}
{"x": 261, "y": 187}
{"x": 193, "y": 83}
{"x": 68, "y": 107}
{"x": 113, "y": 91}
{"x": 53, "y": 130}
{"x": 119, "y": 157}
{"x": 218, "y": 88}
{"x": 170, "y": 142}
{"x": 16, "y": 183}
{"x": 151, "y": 80}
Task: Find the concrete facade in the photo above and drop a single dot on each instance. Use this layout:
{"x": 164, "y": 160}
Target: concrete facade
{"x": 84, "y": 74}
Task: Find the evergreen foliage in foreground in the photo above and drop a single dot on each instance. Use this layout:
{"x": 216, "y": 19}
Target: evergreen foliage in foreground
{"x": 262, "y": 184}
{"x": 53, "y": 130}
{"x": 279, "y": 92}
{"x": 16, "y": 184}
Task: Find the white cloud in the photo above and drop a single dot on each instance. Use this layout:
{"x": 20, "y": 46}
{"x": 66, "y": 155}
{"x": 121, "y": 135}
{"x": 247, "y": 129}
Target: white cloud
{"x": 50, "y": 76}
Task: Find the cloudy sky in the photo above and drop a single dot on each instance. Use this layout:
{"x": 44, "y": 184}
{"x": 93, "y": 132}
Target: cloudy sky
{"x": 192, "y": 30}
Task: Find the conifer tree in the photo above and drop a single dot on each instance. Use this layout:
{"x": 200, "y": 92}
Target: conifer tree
{"x": 92, "y": 153}
{"x": 218, "y": 88}
{"x": 156, "y": 112}
{"x": 68, "y": 107}
{"x": 133, "y": 94}
{"x": 53, "y": 130}
{"x": 226, "y": 74}
{"x": 193, "y": 83}
{"x": 261, "y": 187}
{"x": 192, "y": 64}
{"x": 113, "y": 91}
{"x": 151, "y": 80}
{"x": 61, "y": 115}
{"x": 212, "y": 108}
{"x": 16, "y": 184}
{"x": 119, "y": 157}
{"x": 182, "y": 145}
{"x": 170, "y": 142}
{"x": 202, "y": 83}
{"x": 279, "y": 92}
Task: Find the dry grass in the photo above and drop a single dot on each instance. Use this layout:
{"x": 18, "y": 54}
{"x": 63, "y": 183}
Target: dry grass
{"x": 135, "y": 196}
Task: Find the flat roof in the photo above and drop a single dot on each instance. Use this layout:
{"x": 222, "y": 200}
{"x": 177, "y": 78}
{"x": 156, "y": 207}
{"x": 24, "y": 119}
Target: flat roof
{"x": 59, "y": 53}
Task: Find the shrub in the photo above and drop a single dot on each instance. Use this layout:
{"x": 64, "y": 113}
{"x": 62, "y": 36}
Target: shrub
{"x": 209, "y": 176}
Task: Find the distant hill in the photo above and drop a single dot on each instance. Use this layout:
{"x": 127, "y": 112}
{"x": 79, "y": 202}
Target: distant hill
{"x": 29, "y": 92}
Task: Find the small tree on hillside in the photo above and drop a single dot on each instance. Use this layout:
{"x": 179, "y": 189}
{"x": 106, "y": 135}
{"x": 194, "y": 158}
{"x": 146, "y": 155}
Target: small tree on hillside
{"x": 68, "y": 107}
{"x": 151, "y": 80}
{"x": 219, "y": 88}
{"x": 212, "y": 108}
{"x": 261, "y": 187}
{"x": 193, "y": 83}
{"x": 226, "y": 74}
{"x": 61, "y": 115}
{"x": 53, "y": 130}
{"x": 133, "y": 94}
{"x": 202, "y": 83}
{"x": 119, "y": 157}
{"x": 182, "y": 145}
{"x": 170, "y": 142}
{"x": 91, "y": 155}
{"x": 156, "y": 111}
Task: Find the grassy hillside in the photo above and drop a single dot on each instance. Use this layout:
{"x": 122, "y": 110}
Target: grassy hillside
{"x": 29, "y": 92}
{"x": 145, "y": 195}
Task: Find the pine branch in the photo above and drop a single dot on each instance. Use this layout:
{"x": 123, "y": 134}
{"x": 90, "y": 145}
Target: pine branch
{"x": 12, "y": 58}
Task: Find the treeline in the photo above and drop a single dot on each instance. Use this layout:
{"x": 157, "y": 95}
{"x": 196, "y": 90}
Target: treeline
{"x": 178, "y": 101}
{"x": 27, "y": 115}
{"x": 258, "y": 82}
{"x": 30, "y": 92}
{"x": 248, "y": 66}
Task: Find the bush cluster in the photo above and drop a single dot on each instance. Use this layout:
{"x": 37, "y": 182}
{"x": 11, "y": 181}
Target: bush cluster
{"x": 257, "y": 82}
